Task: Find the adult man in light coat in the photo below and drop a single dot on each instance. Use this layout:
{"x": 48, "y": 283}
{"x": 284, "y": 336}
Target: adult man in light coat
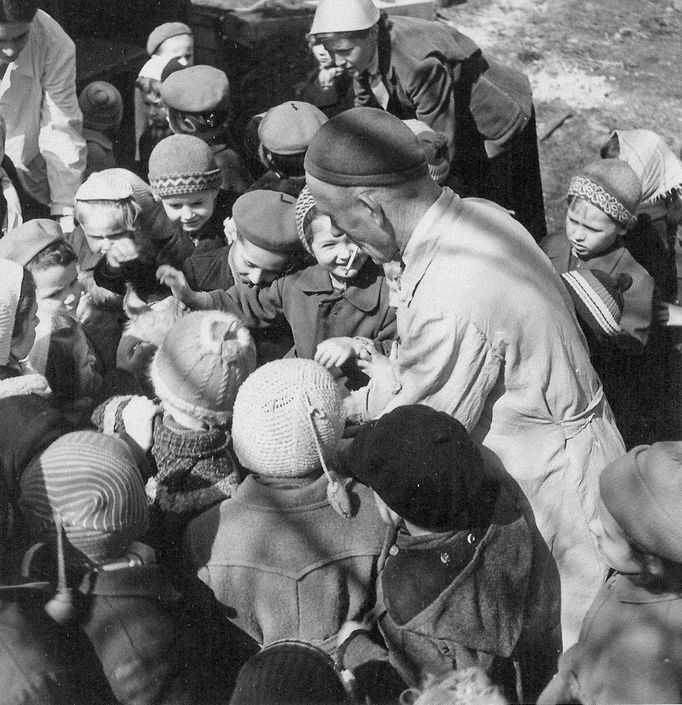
{"x": 487, "y": 332}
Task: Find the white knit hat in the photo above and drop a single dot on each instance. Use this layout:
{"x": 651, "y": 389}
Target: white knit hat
{"x": 282, "y": 411}
{"x": 201, "y": 363}
{"x": 11, "y": 276}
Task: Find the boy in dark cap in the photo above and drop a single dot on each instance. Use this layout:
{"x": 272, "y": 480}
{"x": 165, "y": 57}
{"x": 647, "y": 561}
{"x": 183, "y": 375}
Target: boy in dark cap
{"x": 460, "y": 582}
{"x": 630, "y": 645}
{"x": 198, "y": 102}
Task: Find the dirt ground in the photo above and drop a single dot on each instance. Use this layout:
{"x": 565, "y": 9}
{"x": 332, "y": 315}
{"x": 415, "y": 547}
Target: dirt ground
{"x": 609, "y": 63}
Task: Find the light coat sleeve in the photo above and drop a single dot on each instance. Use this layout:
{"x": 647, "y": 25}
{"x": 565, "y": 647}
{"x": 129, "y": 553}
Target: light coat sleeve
{"x": 448, "y": 363}
{"x": 61, "y": 140}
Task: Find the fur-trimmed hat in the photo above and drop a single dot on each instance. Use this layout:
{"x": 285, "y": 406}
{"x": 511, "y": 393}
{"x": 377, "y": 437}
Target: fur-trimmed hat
{"x": 92, "y": 483}
{"x": 282, "y": 411}
{"x": 22, "y": 244}
{"x": 612, "y": 186}
{"x": 365, "y": 147}
{"x": 183, "y": 164}
{"x": 423, "y": 464}
{"x": 288, "y": 128}
{"x": 101, "y": 105}
{"x": 197, "y": 89}
{"x": 165, "y": 31}
{"x": 289, "y": 672}
{"x": 201, "y": 363}
{"x": 642, "y": 491}
{"x": 267, "y": 219}
{"x": 598, "y": 299}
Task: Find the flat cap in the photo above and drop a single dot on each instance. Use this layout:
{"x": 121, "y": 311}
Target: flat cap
{"x": 22, "y": 244}
{"x": 266, "y": 219}
{"x": 196, "y": 89}
{"x": 165, "y": 31}
{"x": 288, "y": 128}
{"x": 365, "y": 147}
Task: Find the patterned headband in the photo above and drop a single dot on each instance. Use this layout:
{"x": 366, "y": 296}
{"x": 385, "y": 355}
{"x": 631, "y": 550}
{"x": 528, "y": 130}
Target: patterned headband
{"x": 595, "y": 194}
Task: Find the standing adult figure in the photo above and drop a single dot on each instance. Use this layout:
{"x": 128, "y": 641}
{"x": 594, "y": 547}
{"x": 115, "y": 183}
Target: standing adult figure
{"x": 39, "y": 104}
{"x": 427, "y": 70}
{"x": 487, "y": 332}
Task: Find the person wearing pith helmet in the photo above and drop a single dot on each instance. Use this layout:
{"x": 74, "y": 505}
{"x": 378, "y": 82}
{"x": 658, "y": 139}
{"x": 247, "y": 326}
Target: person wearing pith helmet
{"x": 429, "y": 71}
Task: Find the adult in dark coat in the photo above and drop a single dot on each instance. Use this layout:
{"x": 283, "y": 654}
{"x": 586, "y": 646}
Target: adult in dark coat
{"x": 416, "y": 68}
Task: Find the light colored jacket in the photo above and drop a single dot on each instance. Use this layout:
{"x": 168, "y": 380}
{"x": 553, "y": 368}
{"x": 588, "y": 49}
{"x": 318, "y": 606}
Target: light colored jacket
{"x": 488, "y": 334}
{"x": 44, "y": 123}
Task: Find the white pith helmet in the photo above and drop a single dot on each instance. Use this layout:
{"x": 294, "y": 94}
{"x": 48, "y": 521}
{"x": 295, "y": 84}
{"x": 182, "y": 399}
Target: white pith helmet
{"x": 344, "y": 16}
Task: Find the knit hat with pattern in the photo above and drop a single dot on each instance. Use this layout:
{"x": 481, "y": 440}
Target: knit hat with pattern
{"x": 101, "y": 105}
{"x": 92, "y": 483}
{"x": 201, "y": 363}
{"x": 11, "y": 276}
{"x": 598, "y": 299}
{"x": 281, "y": 412}
{"x": 612, "y": 186}
{"x": 365, "y": 147}
{"x": 423, "y": 464}
{"x": 642, "y": 492}
{"x": 289, "y": 673}
{"x": 183, "y": 164}
{"x": 305, "y": 204}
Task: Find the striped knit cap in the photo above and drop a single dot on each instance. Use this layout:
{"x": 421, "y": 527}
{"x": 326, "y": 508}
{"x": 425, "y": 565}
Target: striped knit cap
{"x": 302, "y": 213}
{"x": 598, "y": 299}
{"x": 92, "y": 483}
{"x": 280, "y": 411}
{"x": 201, "y": 363}
{"x": 183, "y": 164}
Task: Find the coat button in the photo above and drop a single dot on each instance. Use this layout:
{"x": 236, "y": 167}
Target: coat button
{"x": 471, "y": 539}
{"x": 393, "y": 551}
{"x": 444, "y": 557}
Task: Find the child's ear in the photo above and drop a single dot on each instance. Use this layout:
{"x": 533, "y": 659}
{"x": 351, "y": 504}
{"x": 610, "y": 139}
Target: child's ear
{"x": 652, "y": 564}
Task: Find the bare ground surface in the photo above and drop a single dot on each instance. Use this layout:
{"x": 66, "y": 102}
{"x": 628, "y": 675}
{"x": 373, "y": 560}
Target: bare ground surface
{"x": 610, "y": 63}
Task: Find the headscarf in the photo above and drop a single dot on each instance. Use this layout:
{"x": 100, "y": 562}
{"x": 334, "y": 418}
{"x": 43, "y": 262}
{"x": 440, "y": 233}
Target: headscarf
{"x": 11, "y": 276}
{"x": 657, "y": 167}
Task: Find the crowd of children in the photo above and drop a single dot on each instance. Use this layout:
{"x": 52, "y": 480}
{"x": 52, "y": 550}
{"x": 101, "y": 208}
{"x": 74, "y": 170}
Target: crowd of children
{"x": 190, "y": 513}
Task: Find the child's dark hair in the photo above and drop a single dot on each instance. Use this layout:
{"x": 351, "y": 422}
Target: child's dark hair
{"x": 58, "y": 253}
{"x": 148, "y": 85}
{"x": 18, "y": 10}
{"x": 198, "y": 124}
{"x": 611, "y": 149}
{"x": 27, "y": 297}
{"x": 284, "y": 164}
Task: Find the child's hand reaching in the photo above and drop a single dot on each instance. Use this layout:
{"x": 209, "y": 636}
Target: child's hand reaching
{"x": 176, "y": 281}
{"x": 133, "y": 355}
{"x": 333, "y": 352}
{"x": 122, "y": 250}
{"x": 669, "y": 314}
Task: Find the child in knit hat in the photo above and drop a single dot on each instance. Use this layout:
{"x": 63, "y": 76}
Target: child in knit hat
{"x": 465, "y": 581}
{"x": 102, "y": 108}
{"x": 630, "y": 645}
{"x": 195, "y": 373}
{"x": 61, "y": 351}
{"x": 83, "y": 496}
{"x": 184, "y": 176}
{"x": 280, "y": 555}
{"x": 284, "y": 133}
{"x": 198, "y": 103}
{"x": 602, "y": 202}
{"x": 336, "y": 309}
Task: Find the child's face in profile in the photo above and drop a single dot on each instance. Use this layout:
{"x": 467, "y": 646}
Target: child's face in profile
{"x": 180, "y": 47}
{"x": 193, "y": 210}
{"x": 155, "y": 109}
{"x": 589, "y": 230}
{"x": 614, "y": 544}
{"x": 58, "y": 284}
{"x": 256, "y": 266}
{"x": 334, "y": 251}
